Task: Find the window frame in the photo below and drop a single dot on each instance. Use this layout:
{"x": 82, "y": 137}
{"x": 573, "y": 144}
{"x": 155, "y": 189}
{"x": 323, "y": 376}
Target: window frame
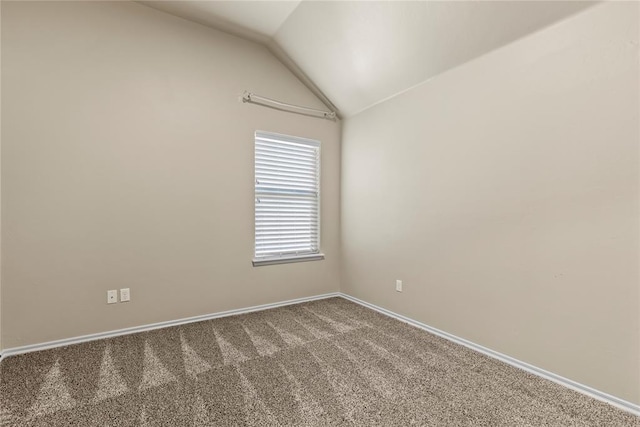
{"x": 291, "y": 257}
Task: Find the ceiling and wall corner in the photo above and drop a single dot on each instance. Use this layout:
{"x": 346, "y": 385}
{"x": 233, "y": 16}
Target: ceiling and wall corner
{"x": 355, "y": 54}
{"x": 257, "y": 21}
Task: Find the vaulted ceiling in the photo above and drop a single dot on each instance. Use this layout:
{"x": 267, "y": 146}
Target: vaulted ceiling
{"x": 354, "y": 54}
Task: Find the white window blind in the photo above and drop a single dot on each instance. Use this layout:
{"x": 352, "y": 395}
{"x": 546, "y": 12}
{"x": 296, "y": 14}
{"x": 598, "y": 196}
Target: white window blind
{"x": 287, "y": 198}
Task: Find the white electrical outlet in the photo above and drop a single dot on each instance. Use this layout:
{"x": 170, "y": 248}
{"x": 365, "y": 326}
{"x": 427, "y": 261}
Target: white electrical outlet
{"x": 398, "y": 285}
{"x": 125, "y": 295}
{"x": 112, "y": 296}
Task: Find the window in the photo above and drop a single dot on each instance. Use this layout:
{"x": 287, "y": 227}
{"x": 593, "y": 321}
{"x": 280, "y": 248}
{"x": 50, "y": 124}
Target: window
{"x": 287, "y": 199}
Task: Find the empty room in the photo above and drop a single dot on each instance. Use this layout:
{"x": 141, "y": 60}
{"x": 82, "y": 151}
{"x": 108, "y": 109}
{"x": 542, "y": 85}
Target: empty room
{"x": 319, "y": 213}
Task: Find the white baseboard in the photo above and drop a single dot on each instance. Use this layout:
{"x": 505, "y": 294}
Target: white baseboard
{"x": 589, "y": 391}
{"x": 109, "y": 334}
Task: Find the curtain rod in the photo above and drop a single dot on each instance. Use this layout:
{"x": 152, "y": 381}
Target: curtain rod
{"x": 283, "y": 106}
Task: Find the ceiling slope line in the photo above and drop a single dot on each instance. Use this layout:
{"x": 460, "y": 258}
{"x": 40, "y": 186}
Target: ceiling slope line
{"x": 241, "y": 31}
{"x": 290, "y": 64}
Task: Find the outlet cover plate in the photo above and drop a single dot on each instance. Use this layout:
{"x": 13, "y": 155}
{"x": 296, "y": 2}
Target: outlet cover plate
{"x": 112, "y": 296}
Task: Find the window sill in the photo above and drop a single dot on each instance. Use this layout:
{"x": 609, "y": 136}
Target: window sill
{"x": 287, "y": 260}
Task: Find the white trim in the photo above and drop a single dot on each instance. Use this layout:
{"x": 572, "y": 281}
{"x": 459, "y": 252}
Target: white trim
{"x": 126, "y": 331}
{"x": 581, "y": 388}
{"x": 257, "y": 262}
{"x": 589, "y": 391}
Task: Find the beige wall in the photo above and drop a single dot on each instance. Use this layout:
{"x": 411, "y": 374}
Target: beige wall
{"x": 127, "y": 161}
{"x": 505, "y": 194}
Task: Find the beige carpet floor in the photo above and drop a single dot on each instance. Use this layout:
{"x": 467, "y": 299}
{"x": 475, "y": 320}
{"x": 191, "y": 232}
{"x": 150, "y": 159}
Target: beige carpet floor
{"x": 328, "y": 362}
